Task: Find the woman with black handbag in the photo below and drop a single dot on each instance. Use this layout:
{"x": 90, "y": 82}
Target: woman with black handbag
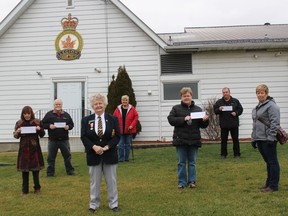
{"x": 264, "y": 137}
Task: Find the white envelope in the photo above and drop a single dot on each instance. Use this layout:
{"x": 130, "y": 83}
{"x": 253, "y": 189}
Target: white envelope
{"x": 227, "y": 108}
{"x": 60, "y": 124}
{"x": 28, "y": 130}
{"x": 197, "y": 115}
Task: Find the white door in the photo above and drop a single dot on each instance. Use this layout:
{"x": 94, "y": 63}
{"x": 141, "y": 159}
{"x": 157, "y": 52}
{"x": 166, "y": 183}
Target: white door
{"x": 71, "y": 95}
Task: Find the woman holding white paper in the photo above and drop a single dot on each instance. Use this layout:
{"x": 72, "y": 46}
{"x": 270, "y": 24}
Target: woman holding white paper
{"x": 30, "y": 157}
{"x": 186, "y": 136}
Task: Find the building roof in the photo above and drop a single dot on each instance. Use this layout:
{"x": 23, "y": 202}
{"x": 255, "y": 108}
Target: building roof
{"x": 229, "y": 38}
{"x": 193, "y": 38}
{"x": 23, "y": 5}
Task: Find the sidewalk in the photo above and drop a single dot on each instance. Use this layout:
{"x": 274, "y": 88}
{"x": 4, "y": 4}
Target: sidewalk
{"x": 150, "y": 144}
{"x": 157, "y": 144}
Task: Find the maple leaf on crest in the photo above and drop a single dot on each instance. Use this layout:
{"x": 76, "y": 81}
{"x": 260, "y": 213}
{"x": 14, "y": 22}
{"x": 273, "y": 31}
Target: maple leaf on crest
{"x": 68, "y": 43}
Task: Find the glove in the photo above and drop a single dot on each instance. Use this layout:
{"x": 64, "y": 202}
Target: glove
{"x": 270, "y": 142}
{"x": 254, "y": 144}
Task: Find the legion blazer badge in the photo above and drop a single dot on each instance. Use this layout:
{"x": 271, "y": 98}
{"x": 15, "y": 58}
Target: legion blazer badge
{"x": 69, "y": 42}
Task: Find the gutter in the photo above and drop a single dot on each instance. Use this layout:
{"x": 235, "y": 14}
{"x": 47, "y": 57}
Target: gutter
{"x": 227, "y": 47}
{"x": 11, "y": 18}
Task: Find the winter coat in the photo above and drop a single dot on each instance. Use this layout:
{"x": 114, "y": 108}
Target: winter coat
{"x": 59, "y": 133}
{"x": 226, "y": 120}
{"x": 30, "y": 156}
{"x": 131, "y": 119}
{"x": 269, "y": 112}
{"x": 185, "y": 134}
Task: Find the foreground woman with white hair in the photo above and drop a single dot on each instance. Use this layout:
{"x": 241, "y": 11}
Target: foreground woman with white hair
{"x": 100, "y": 135}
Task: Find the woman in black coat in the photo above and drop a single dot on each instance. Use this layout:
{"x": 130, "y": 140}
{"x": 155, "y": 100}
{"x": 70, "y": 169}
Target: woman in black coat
{"x": 186, "y": 136}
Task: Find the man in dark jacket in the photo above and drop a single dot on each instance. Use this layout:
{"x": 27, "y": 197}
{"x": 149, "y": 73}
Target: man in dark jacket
{"x": 186, "y": 136}
{"x": 58, "y": 124}
{"x": 229, "y": 109}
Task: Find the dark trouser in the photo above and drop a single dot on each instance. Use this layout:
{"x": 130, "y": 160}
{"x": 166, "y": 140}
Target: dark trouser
{"x": 269, "y": 154}
{"x": 235, "y": 138}
{"x": 64, "y": 147}
{"x": 25, "y": 182}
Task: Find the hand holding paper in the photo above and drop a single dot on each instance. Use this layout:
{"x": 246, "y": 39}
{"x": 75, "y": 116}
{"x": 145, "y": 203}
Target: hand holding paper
{"x": 28, "y": 130}
{"x": 227, "y": 108}
{"x": 197, "y": 115}
{"x": 60, "y": 124}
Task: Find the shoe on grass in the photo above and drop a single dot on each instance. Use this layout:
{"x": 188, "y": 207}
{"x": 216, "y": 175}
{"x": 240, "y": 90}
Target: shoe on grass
{"x": 192, "y": 185}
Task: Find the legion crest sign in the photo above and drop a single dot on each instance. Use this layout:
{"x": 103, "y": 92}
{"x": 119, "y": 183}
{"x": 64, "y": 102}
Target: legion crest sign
{"x": 69, "y": 42}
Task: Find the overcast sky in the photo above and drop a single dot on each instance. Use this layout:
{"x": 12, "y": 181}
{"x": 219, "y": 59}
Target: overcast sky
{"x": 164, "y": 16}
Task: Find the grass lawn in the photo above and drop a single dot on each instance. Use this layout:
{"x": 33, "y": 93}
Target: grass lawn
{"x": 148, "y": 186}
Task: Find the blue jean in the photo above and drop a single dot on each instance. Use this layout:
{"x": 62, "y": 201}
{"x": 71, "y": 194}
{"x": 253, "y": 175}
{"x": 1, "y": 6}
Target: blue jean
{"x": 269, "y": 154}
{"x": 124, "y": 147}
{"x": 186, "y": 155}
{"x": 64, "y": 147}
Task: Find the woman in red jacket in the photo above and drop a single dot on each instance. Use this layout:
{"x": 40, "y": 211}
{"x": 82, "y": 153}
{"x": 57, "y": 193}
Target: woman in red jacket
{"x": 128, "y": 118}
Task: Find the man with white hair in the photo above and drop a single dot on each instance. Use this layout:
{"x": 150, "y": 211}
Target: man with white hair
{"x": 58, "y": 123}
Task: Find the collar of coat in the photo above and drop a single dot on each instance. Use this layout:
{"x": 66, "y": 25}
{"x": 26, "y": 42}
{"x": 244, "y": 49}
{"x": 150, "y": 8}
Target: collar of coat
{"x": 192, "y": 104}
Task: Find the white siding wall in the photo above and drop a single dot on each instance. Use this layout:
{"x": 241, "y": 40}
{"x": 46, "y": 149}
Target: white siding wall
{"x": 241, "y": 72}
{"x": 28, "y": 46}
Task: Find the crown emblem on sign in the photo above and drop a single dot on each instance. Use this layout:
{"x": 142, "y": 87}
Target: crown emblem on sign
{"x": 69, "y": 23}
{"x": 69, "y": 42}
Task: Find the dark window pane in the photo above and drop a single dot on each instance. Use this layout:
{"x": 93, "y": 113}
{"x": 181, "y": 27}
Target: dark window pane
{"x": 70, "y": 3}
{"x": 172, "y": 90}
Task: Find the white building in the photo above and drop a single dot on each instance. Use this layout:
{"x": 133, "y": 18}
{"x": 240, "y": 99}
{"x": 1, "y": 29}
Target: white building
{"x": 207, "y": 59}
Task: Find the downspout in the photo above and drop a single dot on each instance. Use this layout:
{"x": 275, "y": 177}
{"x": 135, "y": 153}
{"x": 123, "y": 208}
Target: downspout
{"x": 107, "y": 43}
{"x": 160, "y": 95}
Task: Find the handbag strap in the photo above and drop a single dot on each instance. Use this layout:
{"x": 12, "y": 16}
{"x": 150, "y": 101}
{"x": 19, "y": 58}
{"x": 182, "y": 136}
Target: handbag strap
{"x": 263, "y": 122}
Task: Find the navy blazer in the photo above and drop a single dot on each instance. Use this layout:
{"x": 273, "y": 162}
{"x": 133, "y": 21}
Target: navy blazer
{"x": 111, "y": 138}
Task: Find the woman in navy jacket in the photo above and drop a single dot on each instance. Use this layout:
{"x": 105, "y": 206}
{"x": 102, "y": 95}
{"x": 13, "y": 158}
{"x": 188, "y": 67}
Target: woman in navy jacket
{"x": 100, "y": 135}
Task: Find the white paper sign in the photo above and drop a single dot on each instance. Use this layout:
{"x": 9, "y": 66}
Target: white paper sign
{"x": 28, "y": 130}
{"x": 227, "y": 108}
{"x": 197, "y": 115}
{"x": 60, "y": 124}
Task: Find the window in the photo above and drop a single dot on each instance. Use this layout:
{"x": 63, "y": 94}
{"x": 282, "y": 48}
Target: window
{"x": 172, "y": 90}
{"x": 176, "y": 63}
{"x": 70, "y": 3}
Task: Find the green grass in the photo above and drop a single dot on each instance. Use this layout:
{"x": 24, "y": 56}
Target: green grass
{"x": 148, "y": 186}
